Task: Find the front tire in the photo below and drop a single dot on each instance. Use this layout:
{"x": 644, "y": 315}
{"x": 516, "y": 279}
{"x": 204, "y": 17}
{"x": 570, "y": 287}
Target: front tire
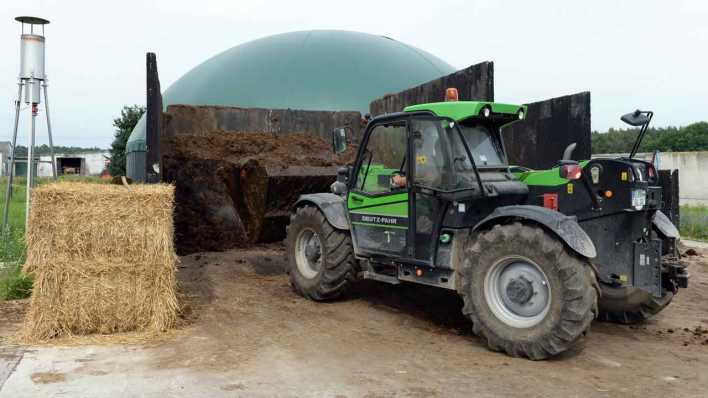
{"x": 321, "y": 263}
{"x": 525, "y": 292}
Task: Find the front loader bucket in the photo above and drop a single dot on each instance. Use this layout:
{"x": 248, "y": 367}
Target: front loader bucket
{"x": 264, "y": 195}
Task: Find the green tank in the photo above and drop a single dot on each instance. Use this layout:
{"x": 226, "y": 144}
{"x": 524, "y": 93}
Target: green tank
{"x": 326, "y": 70}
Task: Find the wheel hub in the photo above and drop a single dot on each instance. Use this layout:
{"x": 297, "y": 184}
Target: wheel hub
{"x": 308, "y": 253}
{"x": 312, "y": 249}
{"x": 519, "y": 290}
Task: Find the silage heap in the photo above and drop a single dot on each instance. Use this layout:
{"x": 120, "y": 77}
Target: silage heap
{"x": 236, "y": 188}
{"x": 103, "y": 260}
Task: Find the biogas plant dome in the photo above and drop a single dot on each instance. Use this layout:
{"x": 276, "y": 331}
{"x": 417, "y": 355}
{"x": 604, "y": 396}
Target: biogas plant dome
{"x": 309, "y": 70}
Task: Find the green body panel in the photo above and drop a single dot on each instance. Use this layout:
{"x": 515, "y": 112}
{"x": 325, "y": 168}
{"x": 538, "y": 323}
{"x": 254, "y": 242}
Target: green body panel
{"x": 520, "y": 175}
{"x": 547, "y": 178}
{"x": 461, "y": 110}
{"x": 372, "y": 183}
{"x": 395, "y": 204}
{"x": 385, "y": 204}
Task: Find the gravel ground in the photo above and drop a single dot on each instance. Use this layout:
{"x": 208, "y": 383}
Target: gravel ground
{"x": 247, "y": 334}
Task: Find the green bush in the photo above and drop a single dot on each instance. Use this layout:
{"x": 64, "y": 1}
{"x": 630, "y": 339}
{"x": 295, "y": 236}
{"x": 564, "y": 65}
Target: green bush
{"x": 14, "y": 284}
{"x": 694, "y": 222}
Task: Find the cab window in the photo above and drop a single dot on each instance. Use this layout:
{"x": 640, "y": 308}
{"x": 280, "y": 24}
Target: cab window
{"x": 485, "y": 149}
{"x": 383, "y": 157}
{"x": 429, "y": 155}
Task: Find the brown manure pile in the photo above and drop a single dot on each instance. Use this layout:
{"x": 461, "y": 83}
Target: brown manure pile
{"x": 236, "y": 188}
{"x": 294, "y": 149}
{"x": 103, "y": 260}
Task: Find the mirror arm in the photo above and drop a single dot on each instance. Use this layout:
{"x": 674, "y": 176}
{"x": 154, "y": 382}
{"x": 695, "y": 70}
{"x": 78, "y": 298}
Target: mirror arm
{"x": 643, "y": 131}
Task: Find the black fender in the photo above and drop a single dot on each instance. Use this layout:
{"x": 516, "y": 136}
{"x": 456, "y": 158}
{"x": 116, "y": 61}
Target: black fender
{"x": 332, "y": 206}
{"x": 565, "y": 227}
{"x": 664, "y": 225}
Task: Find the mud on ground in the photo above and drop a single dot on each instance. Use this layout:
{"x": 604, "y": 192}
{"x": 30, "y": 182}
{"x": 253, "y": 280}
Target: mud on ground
{"x": 248, "y": 331}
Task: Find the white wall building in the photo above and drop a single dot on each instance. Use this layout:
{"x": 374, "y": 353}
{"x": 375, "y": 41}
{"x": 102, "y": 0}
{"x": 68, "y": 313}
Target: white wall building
{"x": 4, "y": 156}
{"x": 83, "y": 163}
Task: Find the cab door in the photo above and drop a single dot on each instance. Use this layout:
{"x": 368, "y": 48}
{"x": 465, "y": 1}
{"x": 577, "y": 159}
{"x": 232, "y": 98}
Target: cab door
{"x": 430, "y": 172}
{"x": 378, "y": 195}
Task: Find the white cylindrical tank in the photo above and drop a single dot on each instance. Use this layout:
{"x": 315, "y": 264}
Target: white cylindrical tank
{"x": 32, "y": 57}
{"x": 32, "y": 91}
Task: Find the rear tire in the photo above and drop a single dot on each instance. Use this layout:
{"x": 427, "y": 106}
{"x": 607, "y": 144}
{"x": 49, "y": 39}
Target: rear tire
{"x": 321, "y": 263}
{"x": 630, "y": 305}
{"x": 535, "y": 266}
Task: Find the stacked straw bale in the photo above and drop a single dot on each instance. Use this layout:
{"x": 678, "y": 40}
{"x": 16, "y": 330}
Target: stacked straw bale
{"x": 103, "y": 260}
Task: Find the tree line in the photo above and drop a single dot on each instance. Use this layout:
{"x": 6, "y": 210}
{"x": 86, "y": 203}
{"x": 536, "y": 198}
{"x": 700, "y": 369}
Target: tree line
{"x": 693, "y": 137}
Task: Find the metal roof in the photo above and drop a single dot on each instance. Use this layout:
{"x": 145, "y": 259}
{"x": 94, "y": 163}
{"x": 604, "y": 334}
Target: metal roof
{"x": 460, "y": 110}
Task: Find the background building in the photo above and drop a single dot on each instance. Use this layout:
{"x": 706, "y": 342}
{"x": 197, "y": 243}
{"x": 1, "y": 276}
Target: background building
{"x": 90, "y": 163}
{"x": 4, "y": 157}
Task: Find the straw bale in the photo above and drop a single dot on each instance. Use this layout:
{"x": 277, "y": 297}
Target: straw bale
{"x": 103, "y": 260}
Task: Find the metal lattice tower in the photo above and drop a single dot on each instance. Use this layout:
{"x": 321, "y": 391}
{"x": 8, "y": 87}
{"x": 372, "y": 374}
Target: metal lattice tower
{"x": 33, "y": 82}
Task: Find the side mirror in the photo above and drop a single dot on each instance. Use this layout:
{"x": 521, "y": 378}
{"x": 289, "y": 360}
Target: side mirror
{"x": 339, "y": 187}
{"x": 636, "y": 118}
{"x": 343, "y": 173}
{"x": 339, "y": 139}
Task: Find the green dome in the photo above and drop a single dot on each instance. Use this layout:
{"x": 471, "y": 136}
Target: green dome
{"x": 310, "y": 70}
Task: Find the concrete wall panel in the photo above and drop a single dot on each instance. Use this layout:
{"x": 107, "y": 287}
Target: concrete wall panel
{"x": 550, "y": 126}
{"x": 473, "y": 83}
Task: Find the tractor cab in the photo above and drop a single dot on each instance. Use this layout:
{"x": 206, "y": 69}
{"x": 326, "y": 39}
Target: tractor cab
{"x": 426, "y": 173}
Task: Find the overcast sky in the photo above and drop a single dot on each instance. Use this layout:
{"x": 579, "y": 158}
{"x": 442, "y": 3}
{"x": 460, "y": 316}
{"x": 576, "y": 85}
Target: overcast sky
{"x": 646, "y": 54}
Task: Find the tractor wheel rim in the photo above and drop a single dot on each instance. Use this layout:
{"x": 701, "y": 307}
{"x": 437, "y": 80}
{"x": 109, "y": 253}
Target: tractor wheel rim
{"x": 308, "y": 253}
{"x": 517, "y": 291}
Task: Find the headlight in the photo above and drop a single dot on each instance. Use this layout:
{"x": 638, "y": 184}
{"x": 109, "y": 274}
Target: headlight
{"x": 639, "y": 198}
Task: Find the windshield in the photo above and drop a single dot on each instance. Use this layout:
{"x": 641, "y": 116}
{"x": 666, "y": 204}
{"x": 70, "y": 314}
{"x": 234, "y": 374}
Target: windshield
{"x": 484, "y": 148}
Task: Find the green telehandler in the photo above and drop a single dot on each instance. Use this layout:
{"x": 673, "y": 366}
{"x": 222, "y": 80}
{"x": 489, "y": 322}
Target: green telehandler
{"x": 430, "y": 199}
{"x": 617, "y": 201}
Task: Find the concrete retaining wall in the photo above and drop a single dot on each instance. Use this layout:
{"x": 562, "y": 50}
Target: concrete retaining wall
{"x": 473, "y": 83}
{"x": 203, "y": 119}
{"x": 550, "y": 126}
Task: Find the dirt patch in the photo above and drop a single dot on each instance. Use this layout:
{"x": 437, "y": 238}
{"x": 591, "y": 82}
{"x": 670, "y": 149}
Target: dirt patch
{"x": 12, "y": 313}
{"x": 48, "y": 377}
{"x": 249, "y": 329}
{"x": 379, "y": 339}
{"x": 232, "y": 387}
